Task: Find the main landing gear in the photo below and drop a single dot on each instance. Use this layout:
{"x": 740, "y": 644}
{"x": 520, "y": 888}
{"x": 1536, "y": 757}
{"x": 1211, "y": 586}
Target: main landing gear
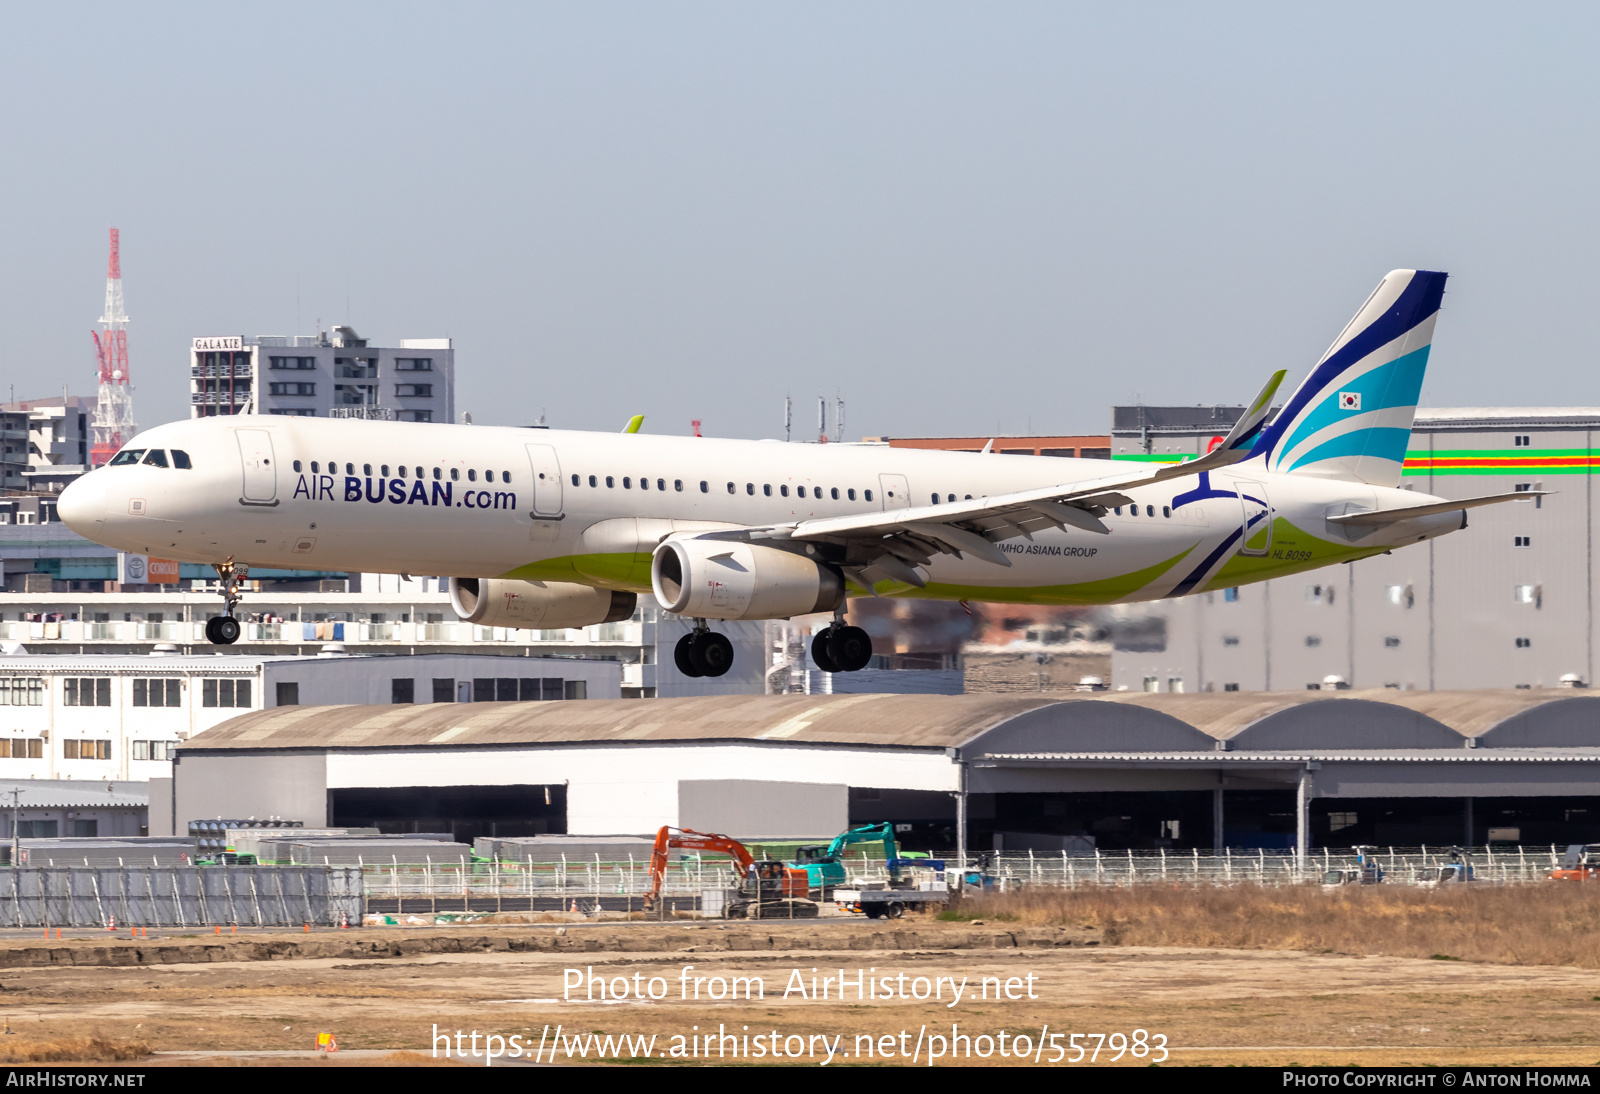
{"x": 703, "y": 652}
{"x": 223, "y": 630}
{"x": 839, "y": 647}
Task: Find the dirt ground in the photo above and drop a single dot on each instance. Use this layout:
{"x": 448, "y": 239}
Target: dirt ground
{"x": 1214, "y": 1006}
{"x": 988, "y": 672}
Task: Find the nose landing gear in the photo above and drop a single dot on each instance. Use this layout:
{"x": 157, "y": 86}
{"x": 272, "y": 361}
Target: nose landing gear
{"x": 703, "y": 652}
{"x": 223, "y": 630}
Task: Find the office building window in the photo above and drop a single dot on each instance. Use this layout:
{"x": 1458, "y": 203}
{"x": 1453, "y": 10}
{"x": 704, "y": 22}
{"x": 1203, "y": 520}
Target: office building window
{"x": 276, "y": 388}
{"x": 1524, "y": 643}
{"x": 444, "y": 690}
{"x": 291, "y": 362}
{"x": 414, "y": 391}
{"x": 1313, "y": 641}
{"x": 1400, "y": 596}
{"x": 157, "y": 693}
{"x": 1391, "y": 642}
{"x": 416, "y": 416}
{"x": 1522, "y": 541}
{"x": 288, "y": 693}
{"x": 19, "y": 691}
{"x": 225, "y": 693}
{"x": 1521, "y": 441}
{"x": 154, "y": 750}
{"x": 402, "y": 690}
{"x": 89, "y": 691}
{"x": 78, "y": 749}
{"x": 413, "y": 364}
{"x": 1230, "y": 687}
{"x": 21, "y": 748}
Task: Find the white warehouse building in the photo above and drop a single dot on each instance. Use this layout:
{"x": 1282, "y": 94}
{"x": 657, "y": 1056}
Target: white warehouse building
{"x": 119, "y": 717}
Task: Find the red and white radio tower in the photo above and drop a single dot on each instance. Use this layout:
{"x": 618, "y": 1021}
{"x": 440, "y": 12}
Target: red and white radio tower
{"x": 113, "y": 410}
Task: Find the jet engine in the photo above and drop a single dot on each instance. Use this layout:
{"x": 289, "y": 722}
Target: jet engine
{"x": 720, "y": 579}
{"x": 547, "y": 605}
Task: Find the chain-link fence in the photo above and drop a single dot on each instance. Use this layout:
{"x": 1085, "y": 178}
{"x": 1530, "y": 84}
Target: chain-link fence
{"x": 179, "y": 896}
{"x": 699, "y": 882}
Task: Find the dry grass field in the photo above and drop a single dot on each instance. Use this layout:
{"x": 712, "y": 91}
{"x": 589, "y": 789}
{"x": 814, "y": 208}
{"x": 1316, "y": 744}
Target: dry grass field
{"x": 1238, "y": 976}
{"x": 1549, "y": 924}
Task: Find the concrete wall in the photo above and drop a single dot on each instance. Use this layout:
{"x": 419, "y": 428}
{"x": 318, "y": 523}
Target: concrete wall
{"x": 160, "y": 814}
{"x": 290, "y": 786}
{"x": 750, "y": 809}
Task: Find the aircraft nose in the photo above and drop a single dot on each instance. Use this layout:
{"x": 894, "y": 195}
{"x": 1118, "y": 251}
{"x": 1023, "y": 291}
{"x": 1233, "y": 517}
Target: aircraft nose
{"x": 81, "y": 506}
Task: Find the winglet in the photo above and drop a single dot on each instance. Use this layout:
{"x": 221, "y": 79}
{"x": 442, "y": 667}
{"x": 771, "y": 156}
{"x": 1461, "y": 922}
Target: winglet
{"x": 638, "y": 420}
{"x": 1245, "y": 431}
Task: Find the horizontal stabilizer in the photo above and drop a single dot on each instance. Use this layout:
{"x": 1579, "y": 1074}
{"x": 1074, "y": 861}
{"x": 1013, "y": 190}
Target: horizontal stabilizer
{"x": 1375, "y": 517}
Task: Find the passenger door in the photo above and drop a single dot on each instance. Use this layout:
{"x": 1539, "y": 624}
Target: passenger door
{"x": 546, "y": 480}
{"x": 895, "y": 491}
{"x": 260, "y": 477}
{"x": 1255, "y": 518}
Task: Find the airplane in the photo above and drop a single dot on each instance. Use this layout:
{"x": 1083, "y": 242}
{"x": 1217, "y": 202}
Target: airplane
{"x": 554, "y": 529}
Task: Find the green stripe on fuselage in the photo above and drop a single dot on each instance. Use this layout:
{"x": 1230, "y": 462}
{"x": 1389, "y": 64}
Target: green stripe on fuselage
{"x": 1293, "y": 551}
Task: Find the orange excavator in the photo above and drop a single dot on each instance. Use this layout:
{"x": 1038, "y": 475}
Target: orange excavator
{"x": 754, "y": 877}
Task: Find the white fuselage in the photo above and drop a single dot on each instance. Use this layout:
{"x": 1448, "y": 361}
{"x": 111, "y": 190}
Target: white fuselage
{"x": 476, "y": 501}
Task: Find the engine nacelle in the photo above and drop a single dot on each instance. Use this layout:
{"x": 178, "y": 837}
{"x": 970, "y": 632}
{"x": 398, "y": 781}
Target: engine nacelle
{"x": 719, "y": 579}
{"x": 547, "y": 605}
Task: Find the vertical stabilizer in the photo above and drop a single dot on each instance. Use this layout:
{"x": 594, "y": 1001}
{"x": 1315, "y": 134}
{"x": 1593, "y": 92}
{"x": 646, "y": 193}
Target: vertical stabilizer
{"x": 1351, "y": 418}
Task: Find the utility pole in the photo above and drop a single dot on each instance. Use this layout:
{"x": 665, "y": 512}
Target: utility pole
{"x": 822, "y": 419}
{"x": 16, "y": 839}
{"x": 788, "y": 417}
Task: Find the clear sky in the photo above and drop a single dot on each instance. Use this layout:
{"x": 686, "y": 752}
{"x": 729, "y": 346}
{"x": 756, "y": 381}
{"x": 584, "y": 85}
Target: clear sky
{"x": 962, "y": 218}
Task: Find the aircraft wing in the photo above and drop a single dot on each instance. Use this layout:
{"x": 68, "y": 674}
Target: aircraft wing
{"x": 888, "y": 545}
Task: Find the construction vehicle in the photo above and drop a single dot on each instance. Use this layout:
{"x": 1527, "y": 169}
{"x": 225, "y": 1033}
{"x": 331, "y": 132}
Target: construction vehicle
{"x": 1580, "y": 863}
{"x": 764, "y": 889}
{"x": 823, "y": 867}
{"x": 1366, "y": 871}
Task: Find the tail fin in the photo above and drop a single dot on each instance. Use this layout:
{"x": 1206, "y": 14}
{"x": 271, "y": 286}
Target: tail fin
{"x": 1351, "y": 418}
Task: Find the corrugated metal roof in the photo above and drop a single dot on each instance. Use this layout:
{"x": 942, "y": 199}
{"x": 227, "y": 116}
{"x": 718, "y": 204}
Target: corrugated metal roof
{"x": 51, "y": 795}
{"x": 904, "y": 721}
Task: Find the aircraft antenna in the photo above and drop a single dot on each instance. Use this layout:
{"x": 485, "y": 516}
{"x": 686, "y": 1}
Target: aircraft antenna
{"x": 113, "y": 410}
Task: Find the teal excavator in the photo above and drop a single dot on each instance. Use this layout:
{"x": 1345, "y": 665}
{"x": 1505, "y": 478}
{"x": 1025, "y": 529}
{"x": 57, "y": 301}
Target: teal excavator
{"x": 823, "y": 867}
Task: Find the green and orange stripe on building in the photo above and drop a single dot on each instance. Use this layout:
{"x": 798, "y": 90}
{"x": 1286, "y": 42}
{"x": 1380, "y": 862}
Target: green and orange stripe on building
{"x": 1501, "y": 461}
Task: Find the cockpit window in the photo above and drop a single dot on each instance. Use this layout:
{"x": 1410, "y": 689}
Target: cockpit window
{"x": 156, "y": 458}
{"x": 180, "y": 460}
{"x": 126, "y": 456}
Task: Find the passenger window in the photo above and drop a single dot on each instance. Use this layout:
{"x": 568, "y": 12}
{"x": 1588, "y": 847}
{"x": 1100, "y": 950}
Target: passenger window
{"x": 784, "y": 490}
{"x": 472, "y": 474}
{"x": 314, "y": 468}
{"x": 384, "y": 470}
{"x": 936, "y": 499}
{"x": 420, "y": 475}
{"x": 1133, "y": 510}
{"x": 437, "y": 473}
{"x": 1149, "y": 510}
{"x": 644, "y": 484}
{"x": 732, "y": 489}
{"x": 297, "y": 465}
{"x": 834, "y": 493}
{"x": 867, "y": 494}
{"x": 851, "y": 494}
{"x": 1118, "y": 510}
{"x": 1166, "y": 510}
{"x": 593, "y": 481}
{"x": 703, "y": 487}
{"x": 677, "y": 484}
{"x": 455, "y": 474}
{"x": 366, "y": 469}
{"x": 349, "y": 469}
{"x": 952, "y": 497}
{"x": 180, "y": 460}
{"x": 800, "y": 490}
{"x": 611, "y": 482}
{"x": 575, "y": 481}
{"x": 505, "y": 476}
{"x": 627, "y": 483}
{"x": 661, "y": 484}
{"x": 156, "y": 457}
{"x": 767, "y": 489}
{"x": 402, "y": 470}
{"x": 127, "y": 456}
{"x": 750, "y": 488}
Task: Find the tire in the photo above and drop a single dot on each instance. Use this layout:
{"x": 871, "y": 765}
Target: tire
{"x": 227, "y": 630}
{"x": 895, "y": 910}
{"x": 873, "y": 913}
{"x": 211, "y": 631}
{"x": 713, "y": 653}
{"x": 821, "y": 653}
{"x": 682, "y": 657}
{"x": 850, "y": 648}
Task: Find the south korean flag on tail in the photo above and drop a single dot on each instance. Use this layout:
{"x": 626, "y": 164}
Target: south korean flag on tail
{"x": 1349, "y": 400}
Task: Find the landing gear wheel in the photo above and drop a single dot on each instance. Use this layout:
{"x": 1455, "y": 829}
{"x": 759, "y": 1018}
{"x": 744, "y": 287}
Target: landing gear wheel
{"x": 222, "y": 630}
{"x": 850, "y": 648}
{"x": 822, "y": 651}
{"x": 711, "y": 653}
{"x": 683, "y": 659}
